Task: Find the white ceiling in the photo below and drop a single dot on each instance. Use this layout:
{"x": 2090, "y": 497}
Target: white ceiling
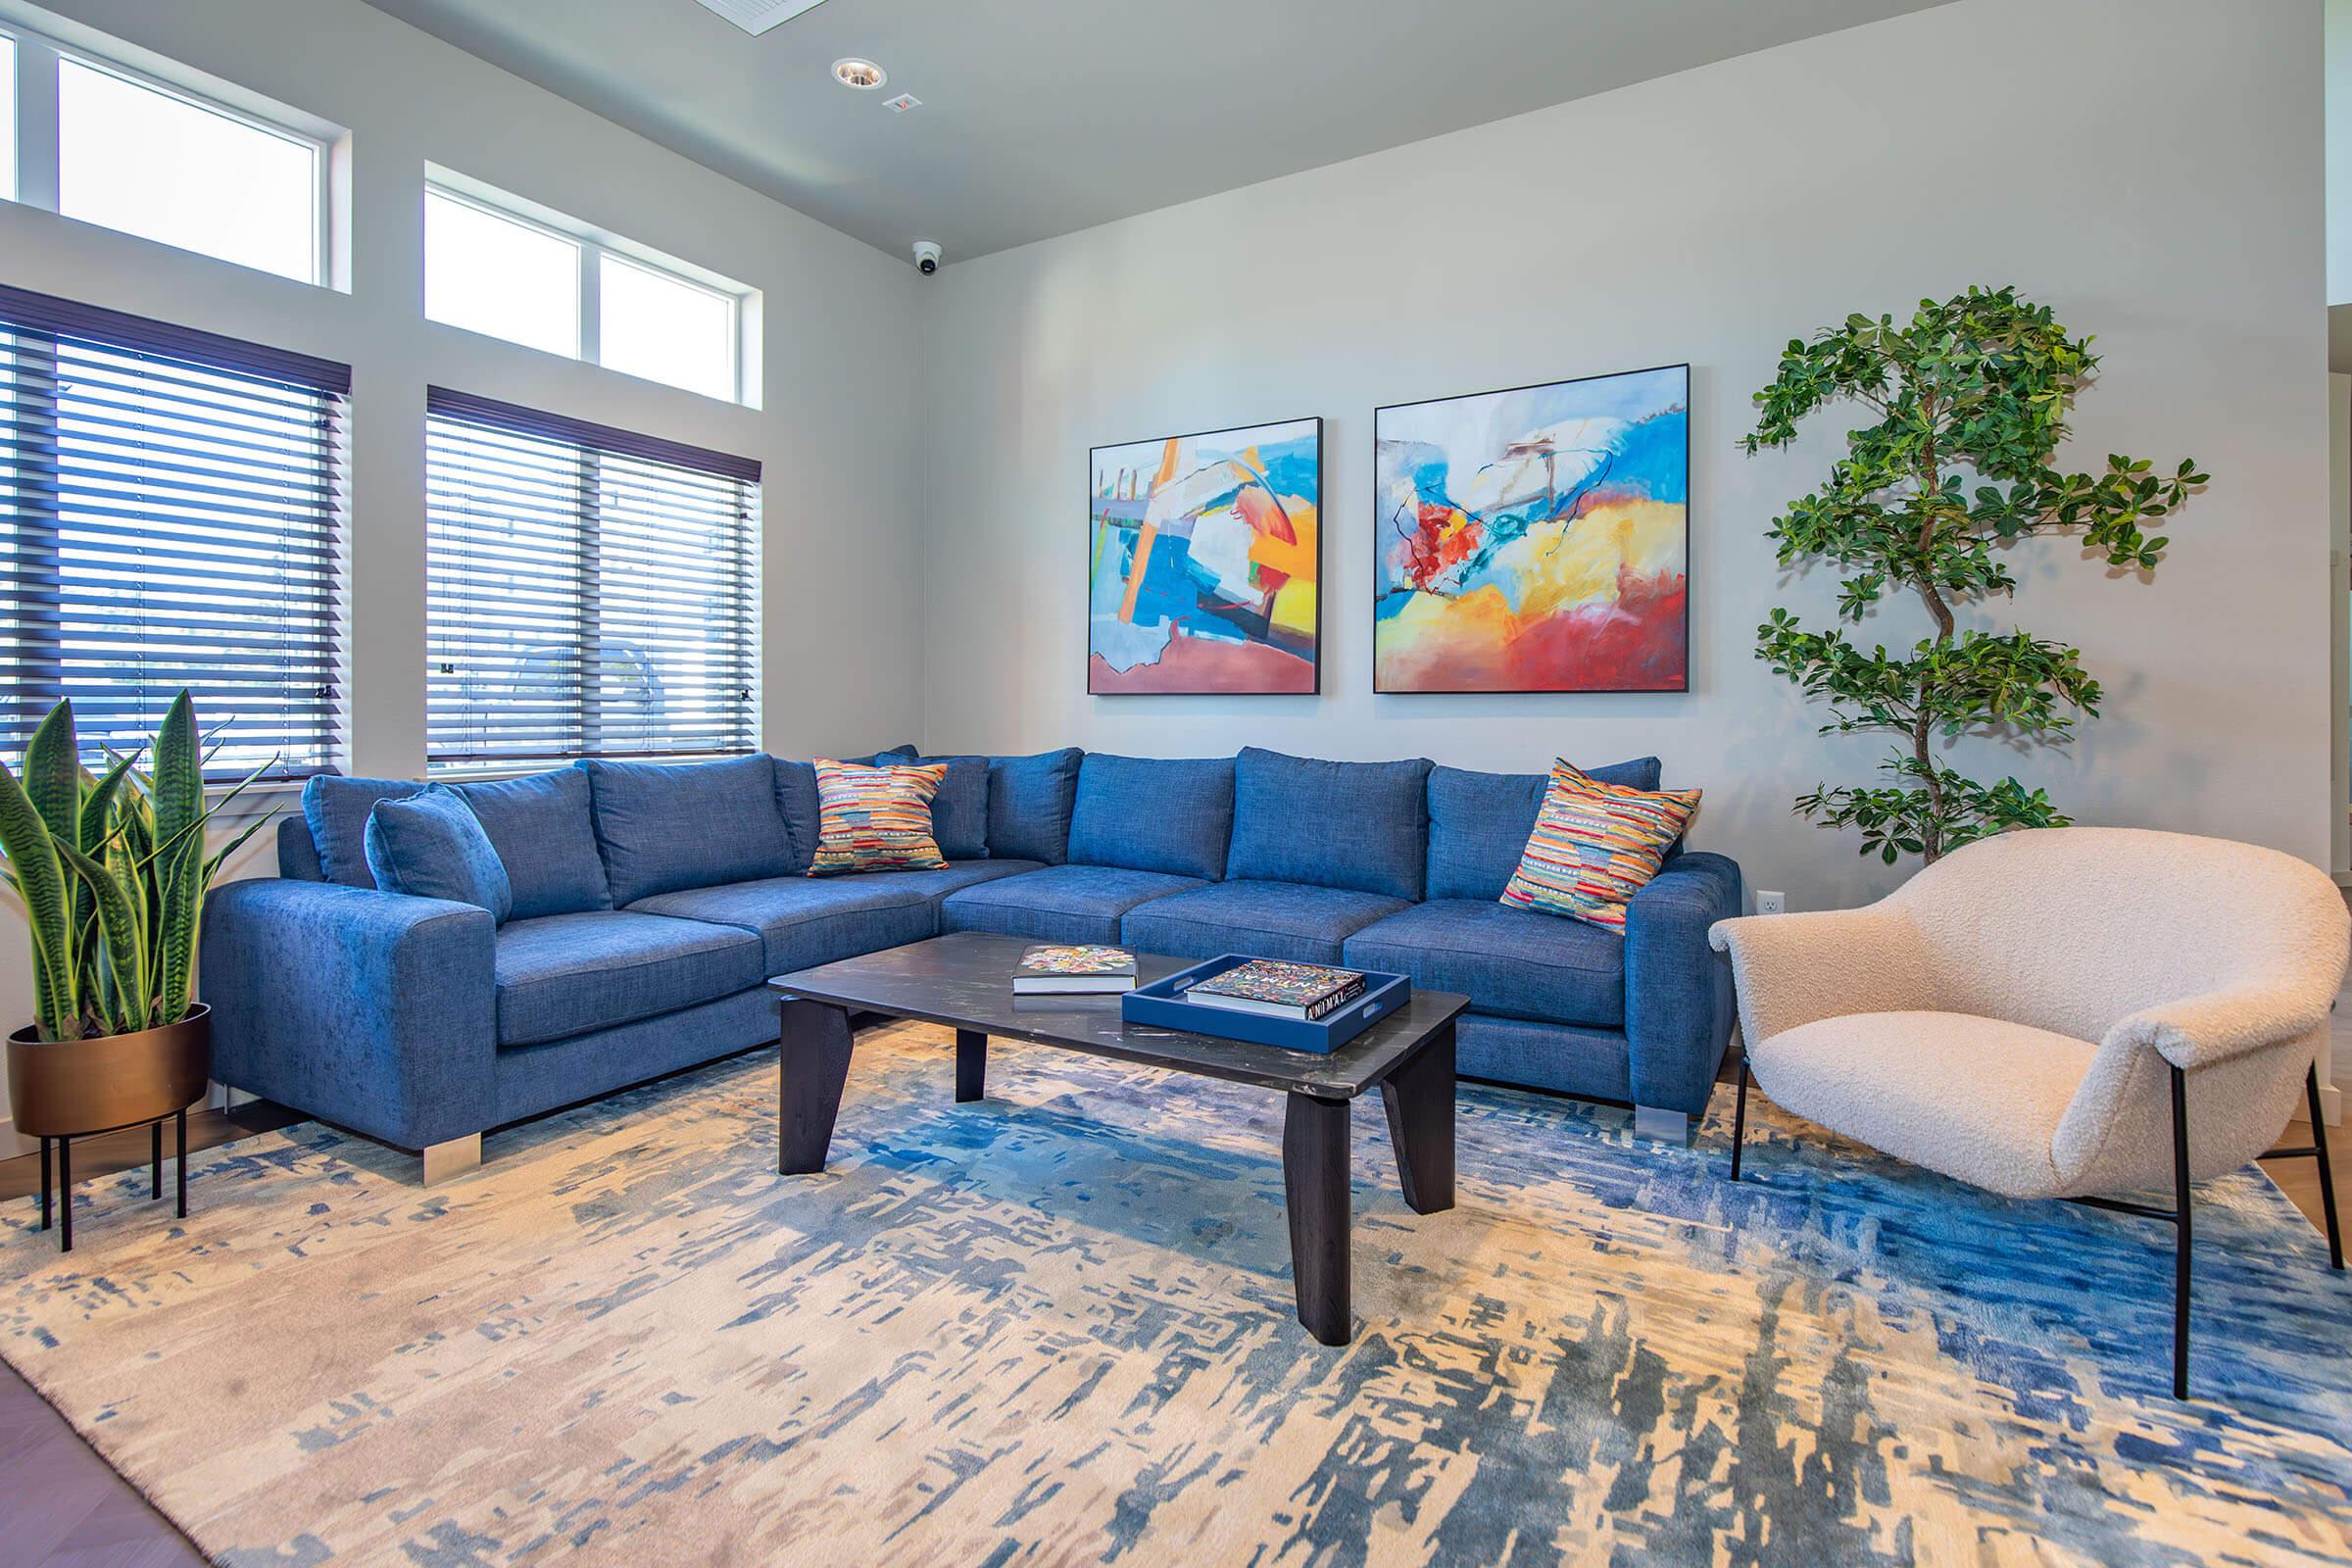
{"x": 1040, "y": 117}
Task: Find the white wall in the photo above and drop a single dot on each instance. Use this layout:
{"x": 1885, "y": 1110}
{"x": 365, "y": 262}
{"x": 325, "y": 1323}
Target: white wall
{"x": 841, "y": 512}
{"x": 2153, "y": 167}
{"x": 2338, "y": 54}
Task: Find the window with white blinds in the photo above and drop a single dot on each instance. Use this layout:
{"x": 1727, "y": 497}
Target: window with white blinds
{"x": 588, "y": 592}
{"x": 170, "y": 515}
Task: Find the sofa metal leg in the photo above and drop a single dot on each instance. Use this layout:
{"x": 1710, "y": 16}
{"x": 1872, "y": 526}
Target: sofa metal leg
{"x": 452, "y": 1158}
{"x": 1663, "y": 1126}
{"x": 1740, "y": 1117}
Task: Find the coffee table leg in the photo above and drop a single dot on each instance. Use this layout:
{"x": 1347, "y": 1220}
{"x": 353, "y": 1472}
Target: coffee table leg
{"x": 1420, "y": 1099}
{"x": 1314, "y": 1178}
{"x": 812, "y": 1062}
{"x": 971, "y": 1065}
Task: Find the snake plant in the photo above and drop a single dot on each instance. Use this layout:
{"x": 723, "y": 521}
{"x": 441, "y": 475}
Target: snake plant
{"x": 112, "y": 869}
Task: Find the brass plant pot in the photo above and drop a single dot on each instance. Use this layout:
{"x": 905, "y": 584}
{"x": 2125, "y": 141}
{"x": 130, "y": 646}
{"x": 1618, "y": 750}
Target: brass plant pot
{"x": 70, "y": 1088}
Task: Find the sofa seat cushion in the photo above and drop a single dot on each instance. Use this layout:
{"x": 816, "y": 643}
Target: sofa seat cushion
{"x": 1263, "y": 919}
{"x": 1059, "y": 903}
{"x": 561, "y": 974}
{"x": 1975, "y": 1099}
{"x": 1509, "y": 962}
{"x": 953, "y": 878}
{"x": 800, "y": 921}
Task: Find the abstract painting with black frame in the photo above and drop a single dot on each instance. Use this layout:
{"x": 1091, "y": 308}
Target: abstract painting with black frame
{"x": 1534, "y": 539}
{"x": 1205, "y": 562}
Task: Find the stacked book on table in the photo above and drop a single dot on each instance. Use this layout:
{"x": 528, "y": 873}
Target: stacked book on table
{"x": 1065, "y": 969}
{"x": 1275, "y": 989}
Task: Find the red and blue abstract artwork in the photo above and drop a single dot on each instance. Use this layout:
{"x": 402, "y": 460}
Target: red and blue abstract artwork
{"x": 1535, "y": 540}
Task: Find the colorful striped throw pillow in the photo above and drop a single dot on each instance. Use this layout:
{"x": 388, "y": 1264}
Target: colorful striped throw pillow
{"x": 875, "y": 818}
{"x": 1596, "y": 845}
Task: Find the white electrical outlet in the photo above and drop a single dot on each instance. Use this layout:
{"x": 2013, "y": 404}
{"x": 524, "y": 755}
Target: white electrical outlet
{"x": 1768, "y": 902}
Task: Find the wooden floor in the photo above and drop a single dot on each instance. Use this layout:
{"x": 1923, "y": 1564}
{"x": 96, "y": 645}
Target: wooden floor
{"x": 64, "y": 1507}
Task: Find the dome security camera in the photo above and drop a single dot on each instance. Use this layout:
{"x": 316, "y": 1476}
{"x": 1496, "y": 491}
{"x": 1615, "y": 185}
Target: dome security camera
{"x": 926, "y": 256}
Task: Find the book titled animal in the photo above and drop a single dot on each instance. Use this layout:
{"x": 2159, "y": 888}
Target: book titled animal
{"x": 1083, "y": 969}
{"x": 1281, "y": 990}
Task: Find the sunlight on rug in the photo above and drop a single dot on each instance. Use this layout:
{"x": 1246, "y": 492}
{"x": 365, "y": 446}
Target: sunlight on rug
{"x": 1056, "y": 1327}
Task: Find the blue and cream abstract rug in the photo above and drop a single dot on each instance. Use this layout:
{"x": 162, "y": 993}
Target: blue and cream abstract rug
{"x": 1055, "y": 1328}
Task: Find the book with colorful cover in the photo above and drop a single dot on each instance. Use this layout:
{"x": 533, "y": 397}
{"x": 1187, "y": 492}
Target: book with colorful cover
{"x": 1079, "y": 968}
{"x": 1280, "y": 989}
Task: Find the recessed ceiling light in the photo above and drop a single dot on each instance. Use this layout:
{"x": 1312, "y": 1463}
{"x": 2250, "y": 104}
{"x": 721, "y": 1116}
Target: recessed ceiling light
{"x": 757, "y": 16}
{"x": 863, "y": 74}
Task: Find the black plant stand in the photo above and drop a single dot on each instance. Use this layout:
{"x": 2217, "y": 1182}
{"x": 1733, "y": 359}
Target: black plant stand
{"x": 65, "y": 1172}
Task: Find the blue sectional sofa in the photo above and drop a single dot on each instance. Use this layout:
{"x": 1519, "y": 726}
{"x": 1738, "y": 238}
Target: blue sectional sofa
{"x": 651, "y": 902}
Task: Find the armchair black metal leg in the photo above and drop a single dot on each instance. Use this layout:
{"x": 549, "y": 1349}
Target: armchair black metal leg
{"x": 1740, "y": 1117}
{"x": 2181, "y": 1230}
{"x": 2318, "y": 1146}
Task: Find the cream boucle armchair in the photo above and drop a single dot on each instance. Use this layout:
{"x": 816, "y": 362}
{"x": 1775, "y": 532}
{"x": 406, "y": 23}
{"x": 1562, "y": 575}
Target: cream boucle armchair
{"x": 2064, "y": 1012}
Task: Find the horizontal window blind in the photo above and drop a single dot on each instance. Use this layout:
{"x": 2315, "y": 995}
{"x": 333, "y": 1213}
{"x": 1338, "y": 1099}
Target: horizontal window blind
{"x": 170, "y": 515}
{"x": 589, "y": 592}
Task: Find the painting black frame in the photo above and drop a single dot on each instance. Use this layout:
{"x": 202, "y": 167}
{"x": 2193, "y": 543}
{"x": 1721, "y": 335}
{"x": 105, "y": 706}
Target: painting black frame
{"x": 1322, "y": 448}
{"x": 1379, "y": 543}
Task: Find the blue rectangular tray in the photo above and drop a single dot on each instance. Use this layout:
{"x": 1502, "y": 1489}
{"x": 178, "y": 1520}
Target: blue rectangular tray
{"x": 1162, "y": 1004}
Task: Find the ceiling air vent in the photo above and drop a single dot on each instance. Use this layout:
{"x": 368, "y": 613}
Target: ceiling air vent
{"x": 757, "y": 16}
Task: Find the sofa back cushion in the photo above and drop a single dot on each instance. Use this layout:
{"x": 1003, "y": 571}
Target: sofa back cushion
{"x": 1359, "y": 825}
{"x": 336, "y": 809}
{"x": 664, "y": 827}
{"x": 1022, "y": 806}
{"x": 1479, "y": 823}
{"x": 1029, "y": 803}
{"x": 431, "y": 846}
{"x": 545, "y": 835}
{"x": 298, "y": 850}
{"x": 1153, "y": 813}
{"x": 795, "y": 799}
{"x": 959, "y": 810}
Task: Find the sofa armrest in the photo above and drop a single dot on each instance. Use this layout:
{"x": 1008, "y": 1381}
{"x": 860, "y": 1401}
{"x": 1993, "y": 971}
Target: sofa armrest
{"x": 374, "y": 1010}
{"x": 1796, "y": 969}
{"x": 1678, "y": 994}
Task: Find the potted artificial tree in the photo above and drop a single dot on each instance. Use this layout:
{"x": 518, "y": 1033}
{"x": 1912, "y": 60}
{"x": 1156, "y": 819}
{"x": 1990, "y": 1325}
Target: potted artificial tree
{"x": 1972, "y": 389}
{"x": 112, "y": 870}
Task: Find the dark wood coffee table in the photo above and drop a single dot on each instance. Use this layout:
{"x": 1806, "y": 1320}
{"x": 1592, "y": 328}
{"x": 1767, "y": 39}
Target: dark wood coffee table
{"x": 964, "y": 981}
